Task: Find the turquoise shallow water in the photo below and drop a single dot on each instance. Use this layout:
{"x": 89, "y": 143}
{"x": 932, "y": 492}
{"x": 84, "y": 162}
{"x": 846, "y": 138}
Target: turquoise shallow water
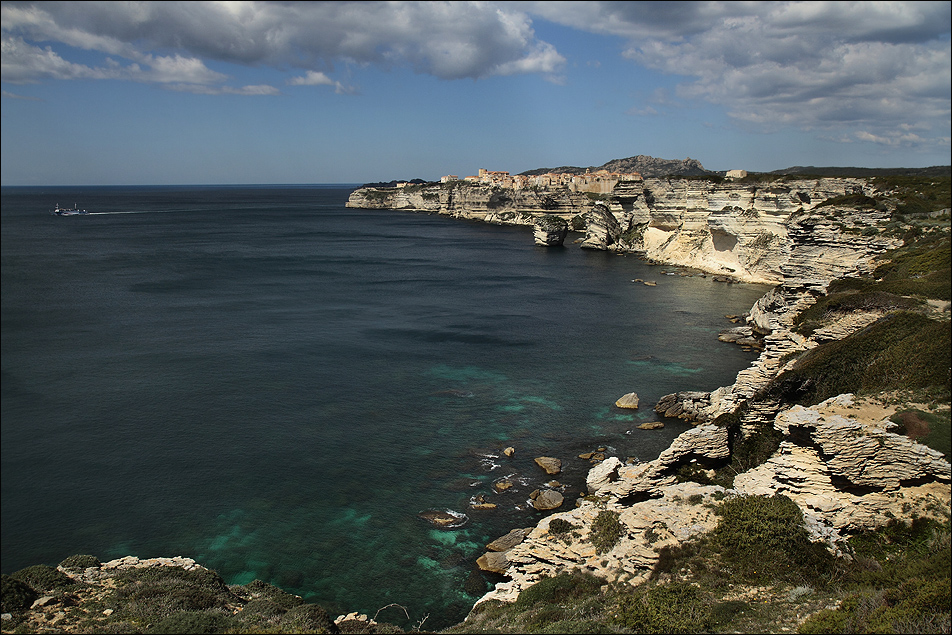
{"x": 276, "y": 386}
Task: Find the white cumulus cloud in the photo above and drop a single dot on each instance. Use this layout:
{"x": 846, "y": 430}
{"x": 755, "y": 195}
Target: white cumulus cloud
{"x": 872, "y": 66}
{"x": 171, "y": 42}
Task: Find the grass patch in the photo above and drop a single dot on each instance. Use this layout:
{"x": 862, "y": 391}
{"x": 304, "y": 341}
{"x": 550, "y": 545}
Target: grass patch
{"x": 851, "y": 301}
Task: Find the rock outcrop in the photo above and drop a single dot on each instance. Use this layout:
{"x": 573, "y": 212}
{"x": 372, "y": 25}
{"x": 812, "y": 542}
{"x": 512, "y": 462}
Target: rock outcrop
{"x": 845, "y": 474}
{"x": 771, "y": 232}
{"x": 550, "y": 230}
{"x": 849, "y": 474}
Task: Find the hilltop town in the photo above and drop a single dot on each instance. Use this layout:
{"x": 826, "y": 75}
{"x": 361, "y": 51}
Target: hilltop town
{"x": 594, "y": 182}
{"x": 598, "y": 182}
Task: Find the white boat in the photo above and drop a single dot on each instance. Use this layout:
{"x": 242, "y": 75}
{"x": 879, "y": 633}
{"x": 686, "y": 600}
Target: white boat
{"x": 68, "y": 211}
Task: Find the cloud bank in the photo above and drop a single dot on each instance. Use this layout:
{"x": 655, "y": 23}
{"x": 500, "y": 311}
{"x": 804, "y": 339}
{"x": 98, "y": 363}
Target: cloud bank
{"x": 875, "y": 72}
{"x": 877, "y": 68}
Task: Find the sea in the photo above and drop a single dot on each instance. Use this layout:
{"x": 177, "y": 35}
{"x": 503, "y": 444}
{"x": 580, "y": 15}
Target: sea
{"x": 279, "y": 387}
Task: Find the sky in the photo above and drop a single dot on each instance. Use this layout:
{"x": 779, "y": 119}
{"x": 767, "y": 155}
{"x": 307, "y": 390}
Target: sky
{"x": 163, "y": 93}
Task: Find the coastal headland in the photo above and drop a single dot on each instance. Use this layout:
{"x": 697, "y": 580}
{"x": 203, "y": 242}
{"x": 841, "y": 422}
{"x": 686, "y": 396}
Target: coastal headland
{"x": 829, "y": 435}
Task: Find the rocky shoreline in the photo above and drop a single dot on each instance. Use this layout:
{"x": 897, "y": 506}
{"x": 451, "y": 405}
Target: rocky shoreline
{"x": 842, "y": 461}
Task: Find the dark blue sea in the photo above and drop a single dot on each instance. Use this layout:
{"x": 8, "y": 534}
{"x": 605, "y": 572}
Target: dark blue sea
{"x": 277, "y": 386}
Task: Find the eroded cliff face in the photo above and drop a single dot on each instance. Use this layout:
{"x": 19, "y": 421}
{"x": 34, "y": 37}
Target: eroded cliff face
{"x": 765, "y": 232}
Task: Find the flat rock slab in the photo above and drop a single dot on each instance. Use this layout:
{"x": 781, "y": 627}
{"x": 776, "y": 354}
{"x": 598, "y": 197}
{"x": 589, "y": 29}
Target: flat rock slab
{"x": 548, "y": 499}
{"x": 494, "y": 561}
{"x": 550, "y": 464}
{"x": 628, "y": 401}
{"x": 510, "y": 540}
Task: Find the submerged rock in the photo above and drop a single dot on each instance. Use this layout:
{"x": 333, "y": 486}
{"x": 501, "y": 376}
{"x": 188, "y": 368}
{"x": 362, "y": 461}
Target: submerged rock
{"x": 445, "y": 519}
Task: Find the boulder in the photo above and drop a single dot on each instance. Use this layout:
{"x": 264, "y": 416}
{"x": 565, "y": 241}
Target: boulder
{"x": 549, "y": 464}
{"x": 651, "y": 425}
{"x": 548, "y": 499}
{"x": 628, "y": 401}
{"x": 493, "y": 561}
{"x": 510, "y": 540}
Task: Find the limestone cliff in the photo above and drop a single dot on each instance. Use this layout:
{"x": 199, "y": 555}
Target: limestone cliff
{"x": 764, "y": 232}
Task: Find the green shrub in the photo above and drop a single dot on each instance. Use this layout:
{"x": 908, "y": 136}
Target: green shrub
{"x": 80, "y": 562}
{"x": 16, "y": 595}
{"x": 43, "y": 577}
{"x": 560, "y": 526}
{"x": 672, "y": 608}
{"x": 309, "y": 618}
{"x": 606, "y": 530}
{"x": 859, "y": 201}
{"x": 193, "y": 622}
{"x": 564, "y": 586}
{"x": 764, "y": 537}
{"x": 826, "y": 621}
{"x": 550, "y": 222}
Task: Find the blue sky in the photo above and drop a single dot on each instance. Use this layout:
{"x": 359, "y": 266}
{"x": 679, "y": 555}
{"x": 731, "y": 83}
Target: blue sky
{"x": 113, "y": 93}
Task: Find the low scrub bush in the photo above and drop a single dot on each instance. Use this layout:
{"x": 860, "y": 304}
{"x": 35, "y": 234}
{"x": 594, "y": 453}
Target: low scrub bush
{"x": 152, "y": 594}
{"x": 565, "y": 586}
{"x": 16, "y": 595}
{"x": 903, "y": 351}
{"x": 764, "y": 537}
{"x": 560, "y": 526}
{"x": 307, "y": 618}
{"x": 80, "y": 562}
{"x": 606, "y": 530}
{"x": 42, "y": 577}
{"x": 193, "y": 622}
{"x": 671, "y": 608}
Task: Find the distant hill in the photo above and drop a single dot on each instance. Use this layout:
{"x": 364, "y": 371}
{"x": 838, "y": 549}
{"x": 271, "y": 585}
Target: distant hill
{"x": 652, "y": 167}
{"x": 647, "y": 166}
{"x": 934, "y": 171}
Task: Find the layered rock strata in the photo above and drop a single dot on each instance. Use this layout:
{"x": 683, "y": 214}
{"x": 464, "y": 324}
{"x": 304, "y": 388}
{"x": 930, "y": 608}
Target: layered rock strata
{"x": 766, "y": 232}
{"x": 845, "y": 473}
